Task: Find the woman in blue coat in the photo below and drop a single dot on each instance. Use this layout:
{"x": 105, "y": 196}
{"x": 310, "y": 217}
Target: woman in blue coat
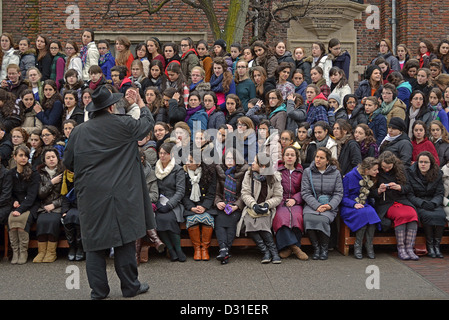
{"x": 196, "y": 116}
{"x": 355, "y": 209}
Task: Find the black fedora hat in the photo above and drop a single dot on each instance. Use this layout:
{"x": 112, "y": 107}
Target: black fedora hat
{"x": 103, "y": 98}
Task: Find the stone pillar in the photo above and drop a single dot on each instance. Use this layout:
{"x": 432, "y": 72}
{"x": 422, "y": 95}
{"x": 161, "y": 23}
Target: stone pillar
{"x": 326, "y": 20}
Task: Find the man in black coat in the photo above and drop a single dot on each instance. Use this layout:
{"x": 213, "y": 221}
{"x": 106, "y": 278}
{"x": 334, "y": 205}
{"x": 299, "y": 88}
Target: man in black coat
{"x": 112, "y": 195}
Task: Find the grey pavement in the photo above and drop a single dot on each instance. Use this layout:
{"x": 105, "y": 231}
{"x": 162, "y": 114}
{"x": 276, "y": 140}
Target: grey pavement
{"x": 244, "y": 278}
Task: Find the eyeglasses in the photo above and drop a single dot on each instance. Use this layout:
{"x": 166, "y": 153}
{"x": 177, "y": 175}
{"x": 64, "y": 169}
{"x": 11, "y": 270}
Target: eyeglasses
{"x": 46, "y": 135}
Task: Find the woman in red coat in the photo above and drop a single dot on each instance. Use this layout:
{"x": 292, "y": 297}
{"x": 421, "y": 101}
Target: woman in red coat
{"x": 288, "y": 221}
{"x": 420, "y": 142}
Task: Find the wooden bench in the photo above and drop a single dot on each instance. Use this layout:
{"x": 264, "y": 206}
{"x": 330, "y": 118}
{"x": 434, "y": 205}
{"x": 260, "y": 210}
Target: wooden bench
{"x": 347, "y": 238}
{"x": 185, "y": 241}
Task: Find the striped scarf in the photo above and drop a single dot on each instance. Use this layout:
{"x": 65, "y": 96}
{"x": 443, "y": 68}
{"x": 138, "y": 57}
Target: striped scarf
{"x": 230, "y": 186}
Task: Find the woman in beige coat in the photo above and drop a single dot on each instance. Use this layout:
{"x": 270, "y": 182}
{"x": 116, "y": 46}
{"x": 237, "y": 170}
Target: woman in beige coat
{"x": 261, "y": 193}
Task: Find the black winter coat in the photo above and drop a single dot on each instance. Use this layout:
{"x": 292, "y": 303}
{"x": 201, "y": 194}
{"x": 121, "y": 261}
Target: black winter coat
{"x": 112, "y": 194}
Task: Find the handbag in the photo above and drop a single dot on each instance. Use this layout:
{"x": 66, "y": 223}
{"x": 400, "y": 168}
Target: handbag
{"x": 323, "y": 199}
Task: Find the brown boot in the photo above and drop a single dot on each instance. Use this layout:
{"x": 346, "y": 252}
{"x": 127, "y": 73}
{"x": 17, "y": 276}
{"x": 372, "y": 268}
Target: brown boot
{"x": 194, "y": 234}
{"x": 14, "y": 240}
{"x": 24, "y": 239}
{"x": 285, "y": 253}
{"x": 206, "y": 236}
{"x": 152, "y": 234}
{"x": 50, "y": 255}
{"x": 301, "y": 255}
{"x": 41, "y": 251}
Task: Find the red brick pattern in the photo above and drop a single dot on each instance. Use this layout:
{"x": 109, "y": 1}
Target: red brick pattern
{"x": 434, "y": 270}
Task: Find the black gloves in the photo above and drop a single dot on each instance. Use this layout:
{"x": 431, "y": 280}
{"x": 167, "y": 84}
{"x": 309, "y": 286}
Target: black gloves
{"x": 263, "y": 209}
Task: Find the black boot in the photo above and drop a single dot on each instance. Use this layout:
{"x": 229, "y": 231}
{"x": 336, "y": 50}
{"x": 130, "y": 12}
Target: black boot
{"x": 315, "y": 244}
{"x": 358, "y": 244}
{"x": 369, "y": 236}
{"x": 70, "y": 235}
{"x": 80, "y": 254}
{"x": 428, "y": 232}
{"x": 223, "y": 254}
{"x": 438, "y": 234}
{"x": 269, "y": 241}
{"x": 257, "y": 238}
{"x": 324, "y": 245}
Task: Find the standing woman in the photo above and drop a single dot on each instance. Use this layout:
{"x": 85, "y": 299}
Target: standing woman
{"x": 89, "y": 53}
{"x": 106, "y": 61}
{"x": 222, "y": 82}
{"x": 426, "y": 194}
{"x": 171, "y": 54}
{"x": 261, "y": 193}
{"x": 322, "y": 192}
{"x": 157, "y": 75}
{"x": 263, "y": 85}
{"x": 392, "y": 205}
{"x": 288, "y": 223}
{"x": 245, "y": 88}
{"x": 349, "y": 155}
{"x": 264, "y": 58}
{"x": 189, "y": 58}
{"x": 354, "y": 110}
{"x": 43, "y": 57}
{"x": 365, "y": 138}
{"x": 421, "y": 142}
{"x": 339, "y": 81}
{"x": 425, "y": 53}
{"x": 154, "y": 49}
{"x": 58, "y": 62}
{"x": 25, "y": 187}
{"x": 440, "y": 138}
{"x": 317, "y": 76}
{"x": 442, "y": 53}
{"x": 142, "y": 55}
{"x": 124, "y": 57}
{"x": 169, "y": 213}
{"x": 205, "y": 60}
{"x": 50, "y": 113}
{"x": 276, "y": 110}
{"x": 371, "y": 85}
{"x": 385, "y": 51}
{"x": 27, "y": 102}
{"x": 49, "y": 213}
{"x": 340, "y": 59}
{"x": 283, "y": 84}
{"x": 418, "y": 111}
{"x": 375, "y": 120}
{"x": 228, "y": 200}
{"x": 322, "y": 60}
{"x": 356, "y": 210}
{"x": 301, "y": 63}
{"x": 198, "y": 201}
{"x": 72, "y": 110}
{"x": 176, "y": 80}
{"x": 27, "y": 56}
{"x": 8, "y": 54}
{"x": 73, "y": 59}
{"x": 402, "y": 54}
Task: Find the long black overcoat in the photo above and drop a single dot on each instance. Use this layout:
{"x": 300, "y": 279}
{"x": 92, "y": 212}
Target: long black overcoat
{"x": 110, "y": 186}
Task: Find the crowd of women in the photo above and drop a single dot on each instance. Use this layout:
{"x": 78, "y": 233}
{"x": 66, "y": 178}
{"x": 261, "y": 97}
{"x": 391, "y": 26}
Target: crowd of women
{"x": 293, "y": 144}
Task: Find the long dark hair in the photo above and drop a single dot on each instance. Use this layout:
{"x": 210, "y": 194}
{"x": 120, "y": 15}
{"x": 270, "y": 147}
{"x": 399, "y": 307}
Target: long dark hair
{"x": 398, "y": 167}
{"x": 27, "y": 169}
{"x": 434, "y": 170}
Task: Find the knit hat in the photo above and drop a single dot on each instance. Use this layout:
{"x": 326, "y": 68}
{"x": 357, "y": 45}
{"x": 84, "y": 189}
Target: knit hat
{"x": 397, "y": 123}
{"x": 370, "y": 69}
{"x": 334, "y": 96}
{"x": 220, "y": 43}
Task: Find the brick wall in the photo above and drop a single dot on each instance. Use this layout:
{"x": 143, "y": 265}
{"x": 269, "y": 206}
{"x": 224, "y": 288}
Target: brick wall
{"x": 31, "y": 17}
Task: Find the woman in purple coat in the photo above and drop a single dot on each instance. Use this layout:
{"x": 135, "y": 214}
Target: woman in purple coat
{"x": 355, "y": 209}
{"x": 288, "y": 222}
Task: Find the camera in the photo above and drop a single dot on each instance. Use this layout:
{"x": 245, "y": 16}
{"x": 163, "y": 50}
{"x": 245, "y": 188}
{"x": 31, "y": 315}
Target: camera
{"x": 387, "y": 185}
